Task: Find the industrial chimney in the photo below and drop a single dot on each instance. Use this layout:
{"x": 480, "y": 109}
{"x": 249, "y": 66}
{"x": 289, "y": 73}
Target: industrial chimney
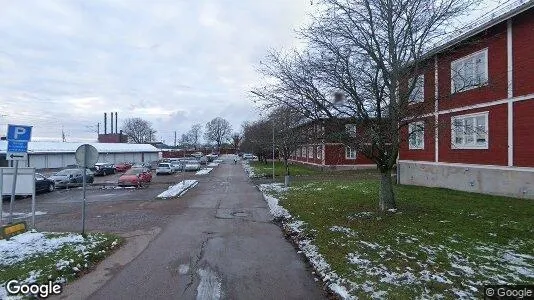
{"x": 111, "y": 123}
{"x": 105, "y": 123}
{"x": 116, "y": 123}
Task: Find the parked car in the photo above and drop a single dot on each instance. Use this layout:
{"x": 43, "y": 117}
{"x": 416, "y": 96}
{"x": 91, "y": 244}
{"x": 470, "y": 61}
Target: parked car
{"x": 71, "y": 177}
{"x": 43, "y": 184}
{"x": 103, "y": 169}
{"x": 191, "y": 165}
{"x": 135, "y": 177}
{"x": 122, "y": 167}
{"x": 197, "y": 154}
{"x": 248, "y": 156}
{"x": 202, "y": 160}
{"x": 177, "y": 166}
{"x": 164, "y": 168}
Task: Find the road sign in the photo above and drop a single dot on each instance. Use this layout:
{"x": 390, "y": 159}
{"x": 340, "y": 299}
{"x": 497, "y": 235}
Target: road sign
{"x": 90, "y": 159}
{"x": 16, "y": 156}
{"x": 19, "y": 132}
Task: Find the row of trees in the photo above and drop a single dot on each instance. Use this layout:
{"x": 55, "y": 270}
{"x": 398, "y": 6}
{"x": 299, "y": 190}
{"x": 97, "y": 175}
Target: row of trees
{"x": 217, "y": 131}
{"x": 359, "y": 58}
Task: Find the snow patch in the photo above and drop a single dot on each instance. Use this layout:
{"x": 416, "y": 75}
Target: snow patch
{"x": 204, "y": 171}
{"x": 183, "y": 269}
{"x": 213, "y": 164}
{"x": 178, "y": 189}
{"x": 209, "y": 286}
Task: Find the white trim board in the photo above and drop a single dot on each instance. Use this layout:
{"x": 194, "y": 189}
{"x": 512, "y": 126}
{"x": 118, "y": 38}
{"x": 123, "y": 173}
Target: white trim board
{"x": 462, "y": 165}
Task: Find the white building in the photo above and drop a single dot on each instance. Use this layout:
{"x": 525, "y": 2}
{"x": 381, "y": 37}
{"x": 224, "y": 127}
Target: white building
{"x": 50, "y": 155}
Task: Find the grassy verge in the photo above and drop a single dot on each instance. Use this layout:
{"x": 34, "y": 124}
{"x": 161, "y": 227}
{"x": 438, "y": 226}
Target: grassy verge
{"x": 439, "y": 243}
{"x": 35, "y": 257}
{"x": 266, "y": 170}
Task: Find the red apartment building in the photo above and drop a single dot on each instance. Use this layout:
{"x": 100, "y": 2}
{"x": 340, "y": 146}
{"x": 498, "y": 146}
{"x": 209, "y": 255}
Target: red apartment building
{"x": 325, "y": 151}
{"x": 479, "y": 135}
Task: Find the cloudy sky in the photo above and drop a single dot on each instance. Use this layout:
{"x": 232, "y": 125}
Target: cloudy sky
{"x": 63, "y": 63}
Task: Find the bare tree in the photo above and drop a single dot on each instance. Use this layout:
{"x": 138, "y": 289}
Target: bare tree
{"x": 288, "y": 132}
{"x": 236, "y": 141}
{"x": 194, "y": 135}
{"x": 361, "y": 56}
{"x": 218, "y": 130}
{"x": 257, "y": 138}
{"x": 139, "y": 131}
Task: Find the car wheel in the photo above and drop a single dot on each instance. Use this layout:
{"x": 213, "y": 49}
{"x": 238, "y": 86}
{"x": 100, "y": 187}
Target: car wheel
{"x": 51, "y": 187}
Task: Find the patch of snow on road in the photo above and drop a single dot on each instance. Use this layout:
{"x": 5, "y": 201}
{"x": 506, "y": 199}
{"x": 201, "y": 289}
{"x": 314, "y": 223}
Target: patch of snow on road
{"x": 213, "y": 164}
{"x": 204, "y": 171}
{"x": 276, "y": 210}
{"x": 183, "y": 269}
{"x": 179, "y": 189}
{"x": 21, "y": 215}
{"x": 249, "y": 170}
{"x": 210, "y": 285}
{"x": 28, "y": 244}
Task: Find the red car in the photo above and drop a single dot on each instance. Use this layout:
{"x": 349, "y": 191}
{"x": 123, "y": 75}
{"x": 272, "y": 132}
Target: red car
{"x": 121, "y": 167}
{"x": 135, "y": 177}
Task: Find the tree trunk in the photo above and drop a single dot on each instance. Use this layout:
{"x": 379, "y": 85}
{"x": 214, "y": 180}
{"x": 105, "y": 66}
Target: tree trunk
{"x": 287, "y": 166}
{"x": 387, "y": 196}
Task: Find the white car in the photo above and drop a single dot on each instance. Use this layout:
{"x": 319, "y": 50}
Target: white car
{"x": 248, "y": 156}
{"x": 191, "y": 165}
{"x": 164, "y": 168}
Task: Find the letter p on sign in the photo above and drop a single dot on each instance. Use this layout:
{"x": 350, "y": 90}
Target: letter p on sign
{"x": 19, "y": 132}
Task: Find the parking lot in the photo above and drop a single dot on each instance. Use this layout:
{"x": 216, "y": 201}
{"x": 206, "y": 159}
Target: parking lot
{"x": 109, "y": 207}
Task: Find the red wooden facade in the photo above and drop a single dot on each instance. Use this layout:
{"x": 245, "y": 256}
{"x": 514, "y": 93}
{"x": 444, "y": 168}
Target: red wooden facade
{"x": 506, "y": 98}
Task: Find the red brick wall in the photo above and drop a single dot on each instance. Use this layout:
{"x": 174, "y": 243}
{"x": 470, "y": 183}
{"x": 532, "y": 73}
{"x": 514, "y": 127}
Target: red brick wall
{"x": 524, "y": 134}
{"x": 426, "y": 154}
{"x": 495, "y": 40}
{"x": 523, "y": 53}
{"x": 497, "y": 152}
{"x": 335, "y": 155}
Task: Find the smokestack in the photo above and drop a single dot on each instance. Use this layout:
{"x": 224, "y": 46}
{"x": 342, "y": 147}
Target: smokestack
{"x": 111, "y": 123}
{"x": 105, "y": 123}
{"x": 116, "y": 124}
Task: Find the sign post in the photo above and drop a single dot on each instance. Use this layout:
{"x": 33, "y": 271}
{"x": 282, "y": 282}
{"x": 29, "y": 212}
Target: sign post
{"x": 86, "y": 156}
{"x": 18, "y": 137}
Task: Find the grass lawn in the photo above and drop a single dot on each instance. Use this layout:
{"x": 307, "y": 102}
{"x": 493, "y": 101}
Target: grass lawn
{"x": 266, "y": 170}
{"x": 35, "y": 257}
{"x": 439, "y": 242}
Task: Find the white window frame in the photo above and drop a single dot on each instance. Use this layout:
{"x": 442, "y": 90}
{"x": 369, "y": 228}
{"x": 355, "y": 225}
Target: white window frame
{"x": 461, "y": 62}
{"x": 464, "y": 144}
{"x": 350, "y": 153}
{"x": 299, "y": 152}
{"x": 351, "y": 130}
{"x": 319, "y": 150}
{"x": 417, "y": 94}
{"x": 411, "y": 129}
{"x": 310, "y": 152}
{"x": 303, "y": 152}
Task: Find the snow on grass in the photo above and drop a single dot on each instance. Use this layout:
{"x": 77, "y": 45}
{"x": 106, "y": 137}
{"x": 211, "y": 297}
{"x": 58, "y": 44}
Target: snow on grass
{"x": 249, "y": 170}
{"x": 179, "y": 189}
{"x": 204, "y": 171}
{"x": 296, "y": 227}
{"x": 39, "y": 257}
{"x": 213, "y": 164}
{"x": 28, "y": 244}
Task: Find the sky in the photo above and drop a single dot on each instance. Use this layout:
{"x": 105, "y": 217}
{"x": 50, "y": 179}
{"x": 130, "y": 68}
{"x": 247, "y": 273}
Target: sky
{"x": 63, "y": 63}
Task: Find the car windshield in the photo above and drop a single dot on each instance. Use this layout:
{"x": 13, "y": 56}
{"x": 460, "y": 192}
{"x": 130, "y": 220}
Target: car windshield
{"x": 66, "y": 172}
{"x": 164, "y": 165}
{"x": 134, "y": 171}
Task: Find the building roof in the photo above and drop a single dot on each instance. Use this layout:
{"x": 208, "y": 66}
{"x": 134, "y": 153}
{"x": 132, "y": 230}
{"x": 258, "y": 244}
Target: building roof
{"x": 64, "y": 147}
{"x": 499, "y": 15}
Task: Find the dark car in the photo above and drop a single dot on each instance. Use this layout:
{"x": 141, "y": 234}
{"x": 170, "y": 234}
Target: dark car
{"x": 103, "y": 169}
{"x": 71, "y": 177}
{"x": 43, "y": 184}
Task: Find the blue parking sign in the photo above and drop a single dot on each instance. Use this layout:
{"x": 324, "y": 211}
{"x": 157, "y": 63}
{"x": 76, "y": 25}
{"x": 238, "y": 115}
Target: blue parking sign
{"x": 19, "y": 132}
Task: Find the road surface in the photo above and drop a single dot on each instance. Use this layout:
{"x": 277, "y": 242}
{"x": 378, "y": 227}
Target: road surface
{"x": 219, "y": 244}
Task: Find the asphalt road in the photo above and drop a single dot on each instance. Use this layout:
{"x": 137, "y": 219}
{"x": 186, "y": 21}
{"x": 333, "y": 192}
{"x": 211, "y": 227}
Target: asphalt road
{"x": 218, "y": 242}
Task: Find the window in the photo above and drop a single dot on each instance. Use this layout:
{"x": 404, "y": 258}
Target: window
{"x": 303, "y": 152}
{"x": 319, "y": 152}
{"x": 299, "y": 153}
{"x": 418, "y": 93}
{"x": 416, "y": 135}
{"x": 351, "y": 130}
{"x": 469, "y": 72}
{"x": 310, "y": 152}
{"x": 470, "y": 131}
{"x": 350, "y": 153}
